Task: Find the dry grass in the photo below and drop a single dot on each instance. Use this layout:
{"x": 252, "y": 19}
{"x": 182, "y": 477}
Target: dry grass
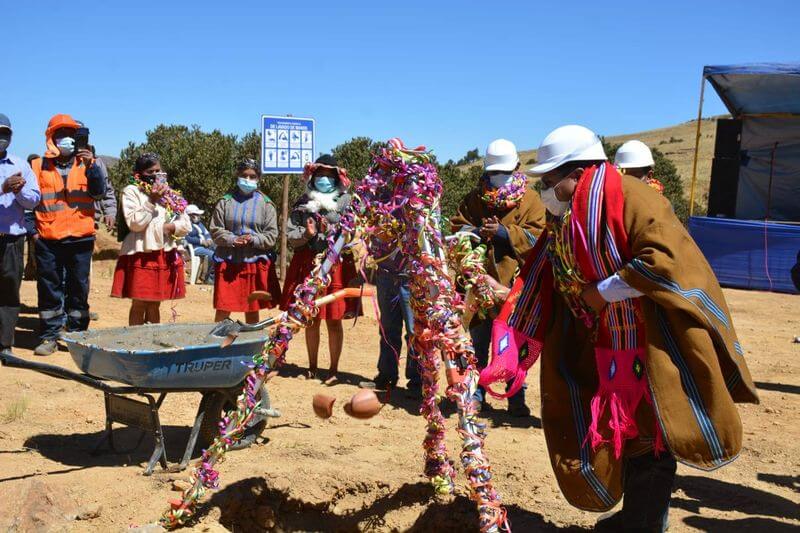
{"x": 15, "y": 410}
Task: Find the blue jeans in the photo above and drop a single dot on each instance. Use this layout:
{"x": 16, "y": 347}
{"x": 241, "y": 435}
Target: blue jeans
{"x": 208, "y": 253}
{"x": 395, "y": 307}
{"x": 62, "y": 270}
{"x": 481, "y": 341}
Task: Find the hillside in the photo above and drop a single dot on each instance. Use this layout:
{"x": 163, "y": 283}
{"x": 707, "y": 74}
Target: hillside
{"x": 676, "y": 143}
{"x": 109, "y": 160}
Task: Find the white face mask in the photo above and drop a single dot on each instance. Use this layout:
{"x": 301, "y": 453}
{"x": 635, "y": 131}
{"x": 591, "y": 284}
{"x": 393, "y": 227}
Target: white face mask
{"x": 553, "y": 204}
{"x": 498, "y": 180}
{"x": 66, "y": 145}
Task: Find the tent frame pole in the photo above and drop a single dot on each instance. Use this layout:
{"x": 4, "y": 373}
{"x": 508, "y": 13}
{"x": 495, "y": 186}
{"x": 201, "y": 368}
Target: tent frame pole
{"x": 769, "y": 187}
{"x": 697, "y": 144}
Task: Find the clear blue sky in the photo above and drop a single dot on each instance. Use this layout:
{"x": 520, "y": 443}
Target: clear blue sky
{"x": 449, "y": 74}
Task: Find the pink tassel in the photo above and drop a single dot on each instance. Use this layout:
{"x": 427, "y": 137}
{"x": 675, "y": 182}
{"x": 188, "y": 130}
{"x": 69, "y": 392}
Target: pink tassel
{"x": 616, "y": 424}
{"x": 621, "y": 422}
{"x": 598, "y": 406}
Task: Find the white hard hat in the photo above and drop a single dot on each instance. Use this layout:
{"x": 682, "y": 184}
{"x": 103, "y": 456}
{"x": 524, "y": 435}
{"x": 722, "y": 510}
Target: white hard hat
{"x": 565, "y": 144}
{"x": 501, "y": 155}
{"x": 192, "y": 209}
{"x": 634, "y": 154}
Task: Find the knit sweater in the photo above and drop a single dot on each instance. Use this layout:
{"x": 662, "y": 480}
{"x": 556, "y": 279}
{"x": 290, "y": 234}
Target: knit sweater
{"x": 236, "y": 215}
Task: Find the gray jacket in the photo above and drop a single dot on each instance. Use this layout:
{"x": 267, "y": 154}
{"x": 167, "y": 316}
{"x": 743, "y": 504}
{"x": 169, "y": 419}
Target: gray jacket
{"x": 107, "y": 205}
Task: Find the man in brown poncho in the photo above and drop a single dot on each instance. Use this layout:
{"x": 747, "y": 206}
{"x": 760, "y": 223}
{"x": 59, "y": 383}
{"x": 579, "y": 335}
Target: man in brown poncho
{"x": 508, "y": 216}
{"x": 641, "y": 365}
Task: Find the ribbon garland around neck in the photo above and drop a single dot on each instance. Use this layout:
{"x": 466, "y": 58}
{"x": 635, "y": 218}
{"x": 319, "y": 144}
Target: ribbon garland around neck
{"x": 172, "y": 200}
{"x": 507, "y": 196}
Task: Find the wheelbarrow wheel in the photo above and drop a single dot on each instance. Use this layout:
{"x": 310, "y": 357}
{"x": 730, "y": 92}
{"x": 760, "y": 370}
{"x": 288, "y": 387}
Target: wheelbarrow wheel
{"x": 215, "y": 405}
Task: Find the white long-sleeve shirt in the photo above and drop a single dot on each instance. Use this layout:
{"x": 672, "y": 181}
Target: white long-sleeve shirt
{"x": 614, "y": 289}
{"x": 146, "y": 222}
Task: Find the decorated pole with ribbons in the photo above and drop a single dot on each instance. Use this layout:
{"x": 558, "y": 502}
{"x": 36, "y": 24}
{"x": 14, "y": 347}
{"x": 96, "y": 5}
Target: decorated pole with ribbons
{"x": 396, "y": 204}
{"x": 404, "y": 184}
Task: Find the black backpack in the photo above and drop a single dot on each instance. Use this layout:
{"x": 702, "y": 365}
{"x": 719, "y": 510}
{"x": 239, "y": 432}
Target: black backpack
{"x": 122, "y": 226}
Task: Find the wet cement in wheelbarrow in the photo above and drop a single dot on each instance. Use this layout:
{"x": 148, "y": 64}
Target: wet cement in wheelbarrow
{"x": 161, "y": 338}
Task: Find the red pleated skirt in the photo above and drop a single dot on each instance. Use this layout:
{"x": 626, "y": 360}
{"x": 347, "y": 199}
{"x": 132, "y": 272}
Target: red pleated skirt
{"x": 234, "y": 282}
{"x": 341, "y": 274}
{"x": 150, "y": 276}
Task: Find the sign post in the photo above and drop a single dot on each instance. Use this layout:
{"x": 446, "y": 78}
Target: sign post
{"x": 287, "y": 145}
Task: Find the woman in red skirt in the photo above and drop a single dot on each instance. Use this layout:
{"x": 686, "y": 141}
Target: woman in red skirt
{"x": 150, "y": 268}
{"x": 312, "y": 217}
{"x": 244, "y": 227}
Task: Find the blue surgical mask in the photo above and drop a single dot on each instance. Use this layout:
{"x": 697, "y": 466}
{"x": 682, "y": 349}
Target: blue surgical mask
{"x": 324, "y": 183}
{"x": 66, "y": 145}
{"x": 247, "y": 186}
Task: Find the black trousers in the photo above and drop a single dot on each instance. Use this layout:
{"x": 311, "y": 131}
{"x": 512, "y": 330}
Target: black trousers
{"x": 648, "y": 488}
{"x": 63, "y": 285}
{"x": 10, "y": 280}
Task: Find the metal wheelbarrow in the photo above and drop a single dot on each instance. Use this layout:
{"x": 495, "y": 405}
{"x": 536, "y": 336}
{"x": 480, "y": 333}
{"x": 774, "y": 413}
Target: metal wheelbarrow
{"x": 158, "y": 359}
{"x": 152, "y": 361}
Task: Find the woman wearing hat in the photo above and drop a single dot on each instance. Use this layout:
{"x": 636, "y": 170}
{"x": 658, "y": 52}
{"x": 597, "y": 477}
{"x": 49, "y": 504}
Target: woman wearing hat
{"x": 313, "y": 215}
{"x": 149, "y": 268}
{"x": 245, "y": 227}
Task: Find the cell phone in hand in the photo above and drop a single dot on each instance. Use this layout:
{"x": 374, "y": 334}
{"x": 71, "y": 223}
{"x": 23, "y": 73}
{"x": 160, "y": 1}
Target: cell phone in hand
{"x": 81, "y": 139}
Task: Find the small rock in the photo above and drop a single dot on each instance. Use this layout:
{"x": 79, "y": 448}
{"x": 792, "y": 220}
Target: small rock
{"x": 89, "y": 512}
{"x": 180, "y": 485}
{"x": 89, "y": 420}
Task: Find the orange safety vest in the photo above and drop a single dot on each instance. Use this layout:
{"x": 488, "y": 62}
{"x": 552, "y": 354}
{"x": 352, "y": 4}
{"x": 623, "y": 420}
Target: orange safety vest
{"x": 64, "y": 211}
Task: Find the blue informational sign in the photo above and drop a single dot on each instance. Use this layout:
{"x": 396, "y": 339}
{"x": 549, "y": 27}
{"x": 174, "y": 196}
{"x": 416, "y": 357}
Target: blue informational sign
{"x": 287, "y": 144}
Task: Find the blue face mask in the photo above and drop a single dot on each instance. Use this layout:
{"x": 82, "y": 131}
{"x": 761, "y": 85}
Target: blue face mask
{"x": 324, "y": 183}
{"x": 247, "y": 186}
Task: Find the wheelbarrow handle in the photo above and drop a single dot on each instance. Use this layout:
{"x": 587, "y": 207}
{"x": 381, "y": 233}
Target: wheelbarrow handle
{"x": 230, "y": 329}
{"x": 61, "y": 373}
{"x": 350, "y": 292}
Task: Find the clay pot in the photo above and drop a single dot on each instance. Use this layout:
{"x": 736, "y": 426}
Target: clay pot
{"x": 323, "y": 405}
{"x": 364, "y": 404}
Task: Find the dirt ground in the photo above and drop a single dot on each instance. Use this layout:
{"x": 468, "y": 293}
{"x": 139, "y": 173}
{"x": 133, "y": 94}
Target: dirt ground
{"x": 344, "y": 474}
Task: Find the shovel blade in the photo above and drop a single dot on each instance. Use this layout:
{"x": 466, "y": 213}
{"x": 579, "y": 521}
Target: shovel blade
{"x": 225, "y": 328}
